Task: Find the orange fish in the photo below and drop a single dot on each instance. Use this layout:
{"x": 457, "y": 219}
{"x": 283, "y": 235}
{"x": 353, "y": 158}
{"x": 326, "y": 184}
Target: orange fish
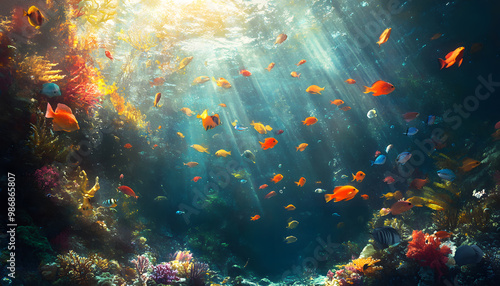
{"x": 436, "y": 36}
{"x": 128, "y": 146}
{"x": 159, "y": 127}
{"x": 397, "y": 195}
{"x": 290, "y": 207}
{"x": 310, "y": 121}
{"x": 397, "y": 208}
{"x": 209, "y": 121}
{"x": 365, "y": 196}
{"x": 380, "y": 87}
{"x": 191, "y": 164}
{"x": 200, "y": 79}
{"x": 443, "y": 234}
{"x": 318, "y": 182}
{"x": 280, "y": 39}
{"x": 277, "y": 178}
{"x": 295, "y": 74}
{"x": 35, "y": 17}
{"x": 301, "y": 62}
{"x": 337, "y": 102}
{"x": 187, "y": 111}
{"x": 222, "y": 82}
{"x": 342, "y": 193}
{"x": 384, "y": 37}
{"x": 302, "y": 147}
{"x": 419, "y": 183}
{"x": 223, "y": 105}
{"x": 270, "y": 195}
{"x": 350, "y": 81}
{"x": 469, "y": 164}
{"x": 108, "y": 54}
{"x": 157, "y": 81}
{"x": 127, "y": 191}
{"x": 263, "y": 186}
{"x": 358, "y": 177}
{"x": 255, "y": 217}
{"x": 453, "y": 57}
{"x": 245, "y": 73}
{"x": 63, "y": 118}
{"x": 154, "y": 146}
{"x": 314, "y": 89}
{"x": 345, "y": 108}
{"x": 301, "y": 182}
{"x": 157, "y": 99}
{"x": 195, "y": 179}
{"x": 180, "y": 135}
{"x": 270, "y": 67}
{"x": 268, "y": 143}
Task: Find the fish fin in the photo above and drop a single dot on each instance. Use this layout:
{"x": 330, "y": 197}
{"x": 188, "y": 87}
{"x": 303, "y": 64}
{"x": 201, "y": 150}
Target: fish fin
{"x": 297, "y": 149}
{"x": 353, "y": 177}
{"x": 64, "y": 108}
{"x": 298, "y": 183}
{"x": 449, "y": 54}
{"x": 268, "y": 128}
{"x": 460, "y": 62}
{"x": 328, "y": 197}
{"x": 304, "y": 122}
{"x": 372, "y": 162}
{"x": 442, "y": 63}
{"x": 367, "y": 89}
{"x": 298, "y": 76}
{"x": 203, "y": 115}
{"x": 229, "y": 152}
{"x": 50, "y": 111}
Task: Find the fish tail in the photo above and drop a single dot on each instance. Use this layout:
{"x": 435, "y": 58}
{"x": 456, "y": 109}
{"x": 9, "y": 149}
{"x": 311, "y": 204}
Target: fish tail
{"x": 298, "y": 184}
{"x": 442, "y": 63}
{"x": 304, "y": 122}
{"x": 367, "y": 89}
{"x": 229, "y": 153}
{"x": 297, "y": 149}
{"x": 25, "y": 13}
{"x": 353, "y": 177}
{"x": 50, "y": 111}
{"x": 372, "y": 162}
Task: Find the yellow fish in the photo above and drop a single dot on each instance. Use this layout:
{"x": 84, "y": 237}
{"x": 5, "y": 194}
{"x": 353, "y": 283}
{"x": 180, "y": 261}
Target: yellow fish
{"x": 417, "y": 201}
{"x": 260, "y": 127}
{"x": 199, "y": 148}
{"x": 160, "y": 198}
{"x": 185, "y": 62}
{"x": 314, "y": 89}
{"x": 293, "y": 224}
{"x": 290, "y": 239}
{"x": 180, "y": 135}
{"x": 435, "y": 207}
{"x": 222, "y": 153}
{"x": 222, "y": 82}
{"x": 200, "y": 79}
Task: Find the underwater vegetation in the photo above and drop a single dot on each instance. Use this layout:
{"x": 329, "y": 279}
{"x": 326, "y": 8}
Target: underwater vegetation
{"x": 44, "y": 144}
{"x": 81, "y": 270}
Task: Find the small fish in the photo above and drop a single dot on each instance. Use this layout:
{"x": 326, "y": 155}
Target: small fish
{"x": 453, "y": 57}
{"x": 397, "y": 195}
{"x": 295, "y": 74}
{"x": 442, "y": 234}
{"x": 386, "y": 236}
{"x": 240, "y": 128}
{"x": 222, "y": 105}
{"x": 397, "y": 208}
{"x": 127, "y": 191}
{"x": 245, "y": 73}
{"x": 411, "y": 131}
{"x": 292, "y": 224}
{"x": 302, "y": 147}
{"x": 243, "y": 181}
{"x": 121, "y": 176}
{"x": 314, "y": 89}
{"x": 301, "y": 62}
{"x": 260, "y": 127}
{"x": 319, "y": 191}
{"x": 180, "y": 135}
{"x": 111, "y": 203}
{"x": 344, "y": 177}
{"x": 263, "y": 186}
{"x": 350, "y": 81}
{"x": 35, "y": 17}
{"x": 280, "y": 38}
{"x": 255, "y": 217}
{"x": 127, "y": 146}
{"x": 446, "y": 174}
{"x": 337, "y": 102}
{"x": 50, "y": 89}
{"x": 380, "y": 87}
{"x": 268, "y": 143}
{"x": 195, "y": 179}
{"x": 180, "y": 212}
{"x": 335, "y": 214}
{"x": 389, "y": 180}
{"x": 249, "y": 155}
{"x": 340, "y": 225}
{"x": 365, "y": 196}
{"x": 270, "y": 67}
{"x": 199, "y": 148}
{"x": 342, "y": 193}
{"x": 301, "y": 182}
{"x": 63, "y": 118}
{"x": 384, "y": 36}
{"x": 409, "y": 116}
{"x": 345, "y": 108}
{"x": 191, "y": 164}
{"x": 160, "y": 198}
{"x": 154, "y": 146}
{"x": 157, "y": 99}
{"x": 184, "y": 62}
{"x": 358, "y": 177}
{"x": 434, "y": 207}
{"x": 200, "y": 80}
{"x": 277, "y": 178}
{"x": 377, "y": 153}
{"x": 278, "y": 132}
{"x": 418, "y": 183}
{"x": 222, "y": 153}
{"x": 403, "y": 157}
{"x": 469, "y": 164}
{"x": 436, "y": 36}
{"x": 159, "y": 127}
{"x": 431, "y": 119}
{"x": 187, "y": 111}
{"x": 310, "y": 121}
{"x": 222, "y": 82}
{"x": 209, "y": 121}
{"x": 157, "y": 81}
{"x": 270, "y": 195}
{"x": 379, "y": 161}
{"x": 290, "y": 239}
{"x": 417, "y": 201}
{"x": 372, "y": 113}
{"x": 388, "y": 148}
{"x": 290, "y": 208}
{"x": 108, "y": 54}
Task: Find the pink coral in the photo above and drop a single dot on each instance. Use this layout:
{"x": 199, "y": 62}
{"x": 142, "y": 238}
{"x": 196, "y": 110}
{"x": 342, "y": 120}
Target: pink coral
{"x": 428, "y": 251}
{"x": 47, "y": 178}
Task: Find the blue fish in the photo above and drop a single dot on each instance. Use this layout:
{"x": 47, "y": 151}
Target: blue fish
{"x": 411, "y": 131}
{"x": 243, "y": 181}
{"x": 446, "y": 174}
{"x": 180, "y": 212}
{"x": 335, "y": 214}
{"x": 379, "y": 161}
{"x": 240, "y": 128}
{"x": 431, "y": 119}
{"x": 403, "y": 157}
{"x": 51, "y": 89}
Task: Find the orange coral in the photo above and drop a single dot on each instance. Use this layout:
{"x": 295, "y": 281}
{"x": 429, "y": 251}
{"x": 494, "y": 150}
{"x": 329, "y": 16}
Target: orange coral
{"x": 365, "y": 265}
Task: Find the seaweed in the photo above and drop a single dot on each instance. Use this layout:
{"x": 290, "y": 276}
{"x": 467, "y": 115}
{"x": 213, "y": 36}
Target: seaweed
{"x": 44, "y": 144}
{"x": 79, "y": 269}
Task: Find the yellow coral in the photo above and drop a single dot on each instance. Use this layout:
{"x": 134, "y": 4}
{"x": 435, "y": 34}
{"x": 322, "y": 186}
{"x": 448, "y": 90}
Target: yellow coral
{"x": 183, "y": 268}
{"x": 86, "y": 206}
{"x": 366, "y": 265}
{"x": 38, "y": 69}
{"x": 97, "y": 12}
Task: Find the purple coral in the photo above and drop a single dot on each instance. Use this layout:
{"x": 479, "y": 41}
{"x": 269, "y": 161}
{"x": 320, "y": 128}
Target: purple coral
{"x": 142, "y": 265}
{"x": 164, "y": 274}
{"x": 47, "y": 178}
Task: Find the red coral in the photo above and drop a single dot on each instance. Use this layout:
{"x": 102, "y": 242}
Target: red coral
{"x": 428, "y": 251}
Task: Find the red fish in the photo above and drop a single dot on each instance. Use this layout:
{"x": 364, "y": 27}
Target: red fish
{"x": 270, "y": 66}
{"x": 453, "y": 57}
{"x": 121, "y": 176}
{"x": 270, "y": 195}
{"x": 263, "y": 186}
{"x": 301, "y": 62}
{"x": 157, "y": 99}
{"x": 397, "y": 208}
{"x": 277, "y": 178}
{"x": 301, "y": 182}
{"x": 380, "y": 87}
{"x": 127, "y": 146}
{"x": 350, "y": 81}
{"x": 389, "y": 180}
{"x": 127, "y": 191}
{"x": 497, "y": 125}
{"x": 365, "y": 196}
{"x": 443, "y": 234}
{"x": 409, "y": 116}
{"x": 63, "y": 118}
{"x": 342, "y": 193}
{"x": 108, "y": 54}
{"x": 157, "y": 81}
{"x": 337, "y": 102}
{"x": 245, "y": 73}
{"x": 418, "y": 183}
{"x": 310, "y": 121}
{"x": 255, "y": 217}
{"x": 195, "y": 179}
{"x": 268, "y": 143}
{"x": 278, "y": 132}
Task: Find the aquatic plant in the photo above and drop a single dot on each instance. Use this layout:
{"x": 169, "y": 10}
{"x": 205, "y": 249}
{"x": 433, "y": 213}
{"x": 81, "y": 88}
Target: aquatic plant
{"x": 164, "y": 274}
{"x": 197, "y": 274}
{"x": 474, "y": 217}
{"x": 142, "y": 265}
{"x": 43, "y": 143}
{"x": 97, "y": 12}
{"x": 428, "y": 251}
{"x": 36, "y": 68}
{"x": 139, "y": 40}
{"x": 446, "y": 219}
{"x": 131, "y": 113}
{"x": 47, "y": 178}
{"x": 79, "y": 269}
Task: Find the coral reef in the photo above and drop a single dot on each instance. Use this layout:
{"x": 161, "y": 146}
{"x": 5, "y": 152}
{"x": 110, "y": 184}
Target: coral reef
{"x": 164, "y": 274}
{"x": 428, "y": 251}
{"x": 79, "y": 269}
{"x": 446, "y": 219}
{"x": 142, "y": 266}
{"x": 47, "y": 178}
{"x": 97, "y": 12}
{"x": 354, "y": 272}
{"x": 34, "y": 242}
{"x": 86, "y": 206}
{"x": 197, "y": 274}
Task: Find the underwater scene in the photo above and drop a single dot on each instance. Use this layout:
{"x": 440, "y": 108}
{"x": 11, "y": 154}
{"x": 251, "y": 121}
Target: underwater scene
{"x": 250, "y": 142}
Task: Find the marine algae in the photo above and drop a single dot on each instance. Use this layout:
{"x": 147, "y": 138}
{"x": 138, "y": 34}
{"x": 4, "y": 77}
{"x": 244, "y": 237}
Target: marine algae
{"x": 36, "y": 68}
{"x": 79, "y": 269}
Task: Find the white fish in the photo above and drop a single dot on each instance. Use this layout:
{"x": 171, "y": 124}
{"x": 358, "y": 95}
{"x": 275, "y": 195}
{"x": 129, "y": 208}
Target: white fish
{"x": 319, "y": 191}
{"x": 371, "y": 114}
{"x": 388, "y": 148}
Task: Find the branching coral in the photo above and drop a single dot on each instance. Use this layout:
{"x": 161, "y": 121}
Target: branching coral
{"x": 164, "y": 274}
{"x": 142, "y": 265}
{"x": 44, "y": 144}
{"x": 38, "y": 69}
{"x": 353, "y": 273}
{"x": 447, "y": 219}
{"x": 97, "y": 12}
{"x": 474, "y": 217}
{"x": 132, "y": 114}
{"x": 86, "y": 207}
{"x": 79, "y": 269}
{"x": 428, "y": 251}
{"x": 139, "y": 40}
{"x": 197, "y": 274}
